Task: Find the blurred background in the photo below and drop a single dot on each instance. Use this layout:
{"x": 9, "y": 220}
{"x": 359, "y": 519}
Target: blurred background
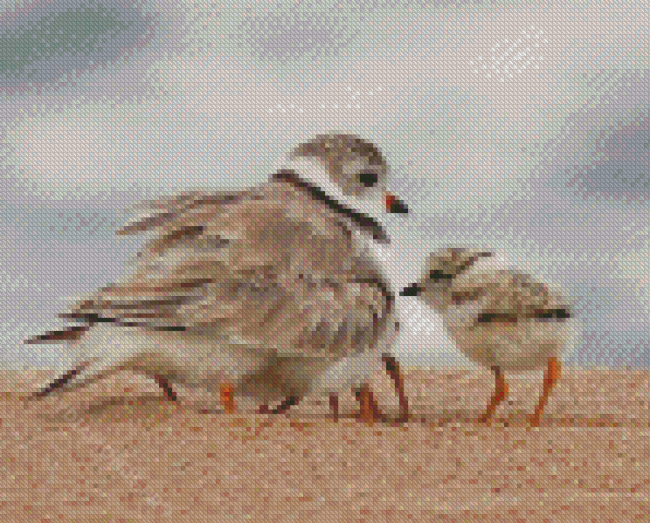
{"x": 513, "y": 126}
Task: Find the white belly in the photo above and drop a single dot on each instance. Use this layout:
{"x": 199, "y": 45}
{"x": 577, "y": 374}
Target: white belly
{"x": 194, "y": 360}
{"x": 521, "y": 346}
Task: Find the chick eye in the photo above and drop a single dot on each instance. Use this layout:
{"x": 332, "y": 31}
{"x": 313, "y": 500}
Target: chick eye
{"x": 368, "y": 178}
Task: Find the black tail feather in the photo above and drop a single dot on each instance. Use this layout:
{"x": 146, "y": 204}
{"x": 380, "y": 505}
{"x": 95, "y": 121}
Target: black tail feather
{"x": 67, "y": 334}
{"x": 60, "y": 382}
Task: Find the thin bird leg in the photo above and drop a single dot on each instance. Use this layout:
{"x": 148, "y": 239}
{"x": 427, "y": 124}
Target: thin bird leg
{"x": 334, "y": 406}
{"x": 228, "y": 398}
{"x": 370, "y": 411}
{"x": 500, "y": 393}
{"x": 392, "y": 369}
{"x": 551, "y": 375}
{"x": 166, "y": 387}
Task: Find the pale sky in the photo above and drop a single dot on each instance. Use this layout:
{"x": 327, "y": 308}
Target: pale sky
{"x": 520, "y": 127}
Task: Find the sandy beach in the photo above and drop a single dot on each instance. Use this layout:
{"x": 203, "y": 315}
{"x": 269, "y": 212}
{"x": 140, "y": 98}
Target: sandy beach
{"x": 120, "y": 452}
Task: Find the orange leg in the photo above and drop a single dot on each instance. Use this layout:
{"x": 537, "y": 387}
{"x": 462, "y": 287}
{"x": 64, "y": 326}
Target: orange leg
{"x": 370, "y": 411}
{"x": 500, "y": 393}
{"x": 551, "y": 375}
{"x": 392, "y": 369}
{"x": 227, "y": 398}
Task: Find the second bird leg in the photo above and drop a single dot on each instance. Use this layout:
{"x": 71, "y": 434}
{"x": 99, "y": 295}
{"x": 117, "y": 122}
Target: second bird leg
{"x": 369, "y": 411}
{"x": 227, "y": 398}
{"x": 166, "y": 387}
{"x": 392, "y": 369}
{"x": 500, "y": 393}
{"x": 334, "y": 406}
{"x": 551, "y": 375}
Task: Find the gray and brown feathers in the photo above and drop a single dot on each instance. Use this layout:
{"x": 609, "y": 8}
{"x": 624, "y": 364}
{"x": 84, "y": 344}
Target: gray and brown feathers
{"x": 268, "y": 268}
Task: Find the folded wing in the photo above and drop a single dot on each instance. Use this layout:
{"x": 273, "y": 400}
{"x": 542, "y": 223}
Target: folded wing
{"x": 251, "y": 268}
{"x": 511, "y": 296}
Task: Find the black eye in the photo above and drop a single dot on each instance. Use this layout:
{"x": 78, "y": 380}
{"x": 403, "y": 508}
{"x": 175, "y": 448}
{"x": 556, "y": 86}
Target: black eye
{"x": 368, "y": 178}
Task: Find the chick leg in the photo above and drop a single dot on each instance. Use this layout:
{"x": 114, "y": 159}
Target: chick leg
{"x": 500, "y": 393}
{"x": 334, "y": 406}
{"x": 369, "y": 412}
{"x": 227, "y": 398}
{"x": 392, "y": 369}
{"x": 166, "y": 387}
{"x": 551, "y": 375}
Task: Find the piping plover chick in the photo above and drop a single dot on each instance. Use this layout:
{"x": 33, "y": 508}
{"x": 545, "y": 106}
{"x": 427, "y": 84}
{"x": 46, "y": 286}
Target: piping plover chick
{"x": 234, "y": 280}
{"x": 295, "y": 378}
{"x": 498, "y": 316}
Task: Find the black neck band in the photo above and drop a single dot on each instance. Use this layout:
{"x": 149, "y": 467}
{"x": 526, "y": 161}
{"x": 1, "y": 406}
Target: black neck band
{"x": 366, "y": 223}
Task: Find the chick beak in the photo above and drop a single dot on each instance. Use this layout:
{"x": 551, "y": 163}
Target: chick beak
{"x": 412, "y": 290}
{"x": 394, "y": 205}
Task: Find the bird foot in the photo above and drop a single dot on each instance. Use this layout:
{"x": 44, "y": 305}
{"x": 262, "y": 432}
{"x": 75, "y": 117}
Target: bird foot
{"x": 532, "y": 420}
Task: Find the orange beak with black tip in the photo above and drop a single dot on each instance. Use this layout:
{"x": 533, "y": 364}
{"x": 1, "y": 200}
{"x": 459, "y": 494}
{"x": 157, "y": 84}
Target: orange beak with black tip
{"x": 394, "y": 205}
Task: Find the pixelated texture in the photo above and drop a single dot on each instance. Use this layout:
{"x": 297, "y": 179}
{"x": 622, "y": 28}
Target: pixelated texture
{"x": 519, "y": 129}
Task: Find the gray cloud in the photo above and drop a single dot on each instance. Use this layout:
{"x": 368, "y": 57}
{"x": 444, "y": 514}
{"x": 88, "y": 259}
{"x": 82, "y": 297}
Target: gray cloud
{"x": 306, "y": 28}
{"x": 49, "y": 42}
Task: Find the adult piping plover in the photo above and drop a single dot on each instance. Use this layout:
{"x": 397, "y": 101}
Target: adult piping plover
{"x": 236, "y": 281}
{"x": 498, "y": 316}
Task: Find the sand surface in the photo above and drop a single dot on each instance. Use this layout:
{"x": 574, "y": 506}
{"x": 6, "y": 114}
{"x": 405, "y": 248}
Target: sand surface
{"x": 120, "y": 452}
